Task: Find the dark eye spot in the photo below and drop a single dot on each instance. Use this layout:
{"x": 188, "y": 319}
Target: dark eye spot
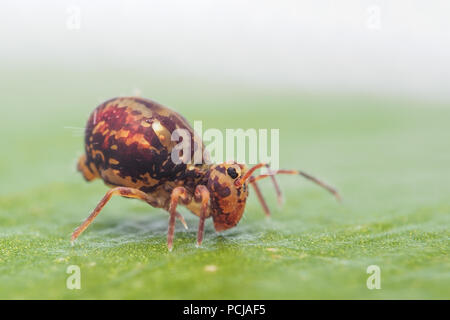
{"x": 232, "y": 172}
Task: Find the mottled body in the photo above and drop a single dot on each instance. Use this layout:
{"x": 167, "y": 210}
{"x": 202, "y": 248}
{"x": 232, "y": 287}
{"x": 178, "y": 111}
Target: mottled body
{"x": 128, "y": 144}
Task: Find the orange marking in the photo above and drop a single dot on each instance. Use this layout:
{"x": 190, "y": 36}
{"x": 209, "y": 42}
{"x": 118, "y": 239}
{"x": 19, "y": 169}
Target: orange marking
{"x": 121, "y": 134}
{"x": 96, "y": 152}
{"x": 98, "y": 127}
{"x": 139, "y": 138}
{"x": 113, "y": 161}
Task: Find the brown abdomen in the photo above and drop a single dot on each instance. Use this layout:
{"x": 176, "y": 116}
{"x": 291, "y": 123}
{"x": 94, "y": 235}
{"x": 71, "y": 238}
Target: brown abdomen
{"x": 128, "y": 143}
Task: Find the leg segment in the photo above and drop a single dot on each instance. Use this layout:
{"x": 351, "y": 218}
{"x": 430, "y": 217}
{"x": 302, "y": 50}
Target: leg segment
{"x": 120, "y": 191}
{"x": 254, "y": 184}
{"x": 249, "y": 174}
{"x": 307, "y": 176}
{"x": 277, "y": 187}
{"x": 177, "y": 193}
{"x": 201, "y": 195}
{"x": 180, "y": 217}
{"x": 260, "y": 196}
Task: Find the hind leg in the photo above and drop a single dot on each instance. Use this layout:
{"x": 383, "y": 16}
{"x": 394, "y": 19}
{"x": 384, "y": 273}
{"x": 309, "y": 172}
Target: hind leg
{"x": 119, "y": 191}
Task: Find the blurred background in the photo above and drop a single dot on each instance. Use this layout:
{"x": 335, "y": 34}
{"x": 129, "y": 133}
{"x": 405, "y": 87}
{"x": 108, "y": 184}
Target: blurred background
{"x": 350, "y": 46}
{"x": 358, "y": 89}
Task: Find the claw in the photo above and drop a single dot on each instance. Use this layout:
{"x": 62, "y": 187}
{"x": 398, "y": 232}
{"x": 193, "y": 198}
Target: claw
{"x": 180, "y": 217}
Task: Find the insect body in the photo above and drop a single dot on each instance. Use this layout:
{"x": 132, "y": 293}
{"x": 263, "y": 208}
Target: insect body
{"x": 128, "y": 145}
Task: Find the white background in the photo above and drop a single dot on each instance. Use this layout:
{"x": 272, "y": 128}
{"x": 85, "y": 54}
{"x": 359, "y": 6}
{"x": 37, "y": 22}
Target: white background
{"x": 324, "y": 46}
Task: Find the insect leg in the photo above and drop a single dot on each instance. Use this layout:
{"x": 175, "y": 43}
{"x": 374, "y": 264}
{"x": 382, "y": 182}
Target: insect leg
{"x": 121, "y": 191}
{"x": 305, "y": 175}
{"x": 261, "y": 199}
{"x": 86, "y": 171}
{"x": 260, "y": 196}
{"x": 275, "y": 184}
{"x": 177, "y": 193}
{"x": 180, "y": 217}
{"x": 201, "y": 195}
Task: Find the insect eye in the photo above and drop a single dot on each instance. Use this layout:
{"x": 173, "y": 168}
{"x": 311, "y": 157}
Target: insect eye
{"x": 232, "y": 172}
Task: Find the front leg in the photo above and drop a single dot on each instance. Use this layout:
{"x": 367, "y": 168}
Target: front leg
{"x": 201, "y": 195}
{"x": 261, "y": 199}
{"x": 177, "y": 193}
